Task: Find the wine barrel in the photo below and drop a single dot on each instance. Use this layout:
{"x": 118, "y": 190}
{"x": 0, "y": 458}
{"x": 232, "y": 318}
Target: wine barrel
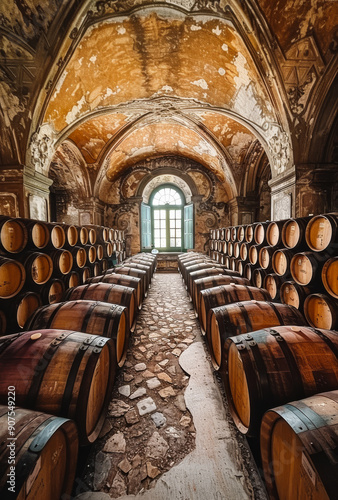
{"x": 276, "y": 365}
{"x": 107, "y": 292}
{"x": 124, "y": 280}
{"x": 38, "y": 233}
{"x": 227, "y": 234}
{"x": 274, "y": 233}
{"x": 258, "y": 276}
{"x": 18, "y": 310}
{"x": 244, "y": 251}
{"x": 304, "y": 434}
{"x": 230, "y": 250}
{"x": 57, "y": 235}
{"x": 321, "y": 311}
{"x": 249, "y": 233}
{"x": 144, "y": 261}
{"x": 87, "y": 316}
{"x": 293, "y": 294}
{"x": 253, "y": 254}
{"x": 241, "y": 233}
{"x": 39, "y": 268}
{"x": 52, "y": 291}
{"x": 240, "y": 267}
{"x": 44, "y": 455}
{"x": 272, "y": 283}
{"x": 67, "y": 373}
{"x": 206, "y": 271}
{"x": 12, "y": 277}
{"x": 233, "y": 233}
{"x": 260, "y": 233}
{"x": 97, "y": 269}
{"x": 281, "y": 261}
{"x": 306, "y": 267}
{"x": 243, "y": 317}
{"x": 137, "y": 273}
{"x": 138, "y": 267}
{"x": 13, "y": 235}
{"x": 71, "y": 279}
{"x": 236, "y": 249}
{"x": 83, "y": 235}
{"x": 322, "y": 233}
{"x": 79, "y": 255}
{"x": 265, "y": 257}
{"x": 293, "y": 233}
{"x": 226, "y": 294}
{"x": 99, "y": 252}
{"x": 72, "y": 235}
{"x": 91, "y": 235}
{"x": 108, "y": 249}
{"x": 62, "y": 261}
{"x": 91, "y": 253}
{"x": 248, "y": 270}
{"x": 330, "y": 276}
{"x": 198, "y": 267}
{"x": 212, "y": 281}
{"x": 85, "y": 274}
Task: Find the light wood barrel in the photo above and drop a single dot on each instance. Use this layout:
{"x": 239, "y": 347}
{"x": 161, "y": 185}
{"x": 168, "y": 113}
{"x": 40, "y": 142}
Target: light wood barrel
{"x": 274, "y": 233}
{"x": 91, "y": 235}
{"x": 62, "y": 261}
{"x": 57, "y": 235}
{"x": 298, "y": 446}
{"x": 38, "y": 233}
{"x": 85, "y": 274}
{"x": 99, "y": 251}
{"x": 293, "y": 294}
{"x": 71, "y": 279}
{"x": 67, "y": 373}
{"x": 202, "y": 273}
{"x": 275, "y": 365}
{"x": 139, "y": 259}
{"x": 322, "y": 233}
{"x": 330, "y": 276}
{"x": 91, "y": 253}
{"x": 241, "y": 233}
{"x": 72, "y": 235}
{"x": 306, "y": 267}
{"x": 18, "y": 311}
{"x": 254, "y": 253}
{"x": 244, "y": 251}
{"x": 293, "y": 233}
{"x": 12, "y": 277}
{"x": 321, "y": 311}
{"x": 226, "y": 294}
{"x": 45, "y": 449}
{"x": 137, "y": 273}
{"x": 265, "y": 257}
{"x": 198, "y": 267}
{"x": 260, "y": 233}
{"x": 124, "y": 280}
{"x": 227, "y": 234}
{"x": 258, "y": 276}
{"x": 236, "y": 249}
{"x": 107, "y": 292}
{"x": 243, "y": 317}
{"x": 52, "y": 291}
{"x": 83, "y": 235}
{"x": 79, "y": 256}
{"x": 39, "y": 268}
{"x": 281, "y": 261}
{"x": 140, "y": 267}
{"x": 272, "y": 283}
{"x": 87, "y": 316}
{"x": 108, "y": 249}
{"x": 249, "y": 233}
{"x": 13, "y": 235}
{"x": 211, "y": 281}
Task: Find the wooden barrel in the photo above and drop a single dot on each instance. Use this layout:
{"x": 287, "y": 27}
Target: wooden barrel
{"x": 321, "y": 311}
{"x": 99, "y": 252}
{"x": 249, "y": 233}
{"x": 186, "y": 267}
{"x": 18, "y": 310}
{"x": 293, "y": 233}
{"x": 241, "y": 233}
{"x": 226, "y": 294}
{"x": 65, "y": 372}
{"x": 39, "y": 268}
{"x": 140, "y": 267}
{"x": 306, "y": 267}
{"x": 254, "y": 253}
{"x": 107, "y": 292}
{"x": 272, "y": 283}
{"x": 52, "y": 291}
{"x": 276, "y": 365}
{"x": 57, "y": 235}
{"x": 91, "y": 253}
{"x": 281, "y": 261}
{"x": 87, "y": 316}
{"x": 293, "y": 294}
{"x": 183, "y": 264}
{"x": 202, "y": 273}
{"x": 227, "y": 234}
{"x": 122, "y": 279}
{"x": 71, "y": 279}
{"x": 108, "y": 249}
{"x": 230, "y": 250}
{"x": 97, "y": 269}
{"x": 137, "y": 273}
{"x": 244, "y": 251}
{"x": 38, "y": 233}
{"x": 91, "y": 235}
{"x": 233, "y": 233}
{"x": 299, "y": 448}
{"x": 83, "y": 235}
{"x": 12, "y": 277}
{"x": 236, "y": 249}
{"x": 85, "y": 274}
{"x": 243, "y": 317}
{"x": 198, "y": 267}
{"x": 260, "y": 233}
{"x": 274, "y": 233}
{"x": 322, "y": 233}
{"x": 258, "y": 276}
{"x": 265, "y": 257}
{"x": 248, "y": 271}
{"x": 212, "y": 281}
{"x": 13, "y": 235}
{"x": 330, "y": 276}
{"x": 62, "y": 261}
{"x": 41, "y": 462}
{"x": 145, "y": 262}
{"x": 79, "y": 257}
{"x": 72, "y": 235}
{"x": 240, "y": 267}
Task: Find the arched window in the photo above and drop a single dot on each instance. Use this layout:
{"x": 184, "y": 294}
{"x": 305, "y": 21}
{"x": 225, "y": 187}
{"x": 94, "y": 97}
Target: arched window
{"x": 163, "y": 221}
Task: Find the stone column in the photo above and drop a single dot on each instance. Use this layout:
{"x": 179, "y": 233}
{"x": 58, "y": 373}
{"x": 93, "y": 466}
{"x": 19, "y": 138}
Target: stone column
{"x": 316, "y": 189}
{"x": 11, "y": 191}
{"x": 283, "y": 192}
{"x": 36, "y": 194}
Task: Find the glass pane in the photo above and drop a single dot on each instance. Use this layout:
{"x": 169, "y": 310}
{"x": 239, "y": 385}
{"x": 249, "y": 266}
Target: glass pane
{"x": 178, "y": 242}
{"x": 178, "y": 233}
{"x": 167, "y": 196}
{"x": 172, "y": 223}
{"x": 178, "y": 214}
{"x": 156, "y": 233}
{"x": 172, "y": 233}
{"x": 157, "y": 242}
{"x": 163, "y": 242}
{"x": 163, "y": 214}
{"x": 156, "y": 224}
{"x": 172, "y": 242}
{"x": 163, "y": 224}
{"x": 178, "y": 223}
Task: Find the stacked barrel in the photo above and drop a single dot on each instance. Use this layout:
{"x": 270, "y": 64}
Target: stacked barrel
{"x": 281, "y": 377}
{"x": 61, "y": 371}
{"x": 39, "y": 261}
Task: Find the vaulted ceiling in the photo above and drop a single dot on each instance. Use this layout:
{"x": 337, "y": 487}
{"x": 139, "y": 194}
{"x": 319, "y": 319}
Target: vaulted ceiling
{"x": 106, "y": 84}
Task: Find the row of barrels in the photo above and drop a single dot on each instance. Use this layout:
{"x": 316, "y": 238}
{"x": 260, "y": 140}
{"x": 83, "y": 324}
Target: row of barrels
{"x": 61, "y": 372}
{"x": 19, "y": 234}
{"x": 317, "y": 233}
{"x": 280, "y": 378}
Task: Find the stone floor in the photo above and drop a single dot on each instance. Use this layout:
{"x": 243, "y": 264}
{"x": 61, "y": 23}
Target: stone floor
{"x": 168, "y": 434}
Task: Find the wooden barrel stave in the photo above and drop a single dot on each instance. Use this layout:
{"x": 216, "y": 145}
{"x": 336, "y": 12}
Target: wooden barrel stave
{"x": 321, "y": 311}
{"x": 13, "y": 235}
{"x": 330, "y": 276}
{"x": 293, "y": 294}
{"x": 137, "y": 273}
{"x": 12, "y": 277}
{"x": 212, "y": 281}
{"x": 122, "y": 279}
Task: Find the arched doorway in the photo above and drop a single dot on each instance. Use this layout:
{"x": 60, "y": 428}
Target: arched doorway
{"x": 167, "y": 222}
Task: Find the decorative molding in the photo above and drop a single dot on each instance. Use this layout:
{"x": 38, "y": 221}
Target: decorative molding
{"x": 41, "y": 150}
{"x": 280, "y": 151}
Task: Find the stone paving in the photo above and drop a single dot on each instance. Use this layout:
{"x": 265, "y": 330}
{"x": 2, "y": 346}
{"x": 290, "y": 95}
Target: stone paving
{"x": 148, "y": 429}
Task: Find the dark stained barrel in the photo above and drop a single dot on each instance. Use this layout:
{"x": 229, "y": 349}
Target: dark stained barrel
{"x": 272, "y": 283}
{"x": 122, "y": 279}
{"x": 39, "y": 268}
{"x": 44, "y": 443}
{"x": 244, "y": 317}
{"x": 304, "y": 433}
{"x": 293, "y": 294}
{"x": 137, "y": 273}
{"x": 87, "y": 316}
{"x": 52, "y": 291}
{"x": 67, "y": 373}
{"x": 62, "y": 261}
{"x": 274, "y": 366}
